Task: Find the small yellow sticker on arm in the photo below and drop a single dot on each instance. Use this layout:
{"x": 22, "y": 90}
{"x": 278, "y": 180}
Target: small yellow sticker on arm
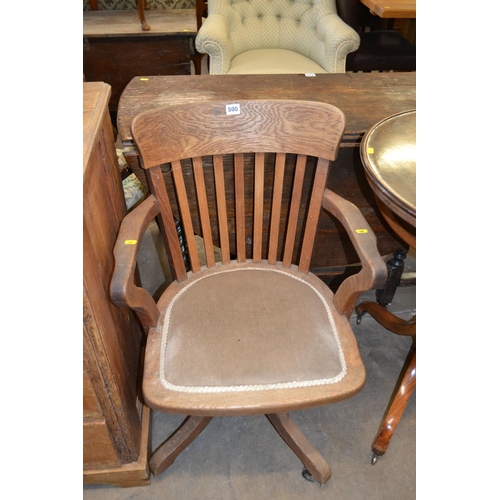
{"x": 361, "y": 231}
{"x": 130, "y": 242}
{"x": 143, "y": 79}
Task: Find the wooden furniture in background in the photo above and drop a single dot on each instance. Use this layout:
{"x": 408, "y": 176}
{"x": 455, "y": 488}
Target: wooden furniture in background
{"x": 141, "y": 6}
{"x": 116, "y": 49}
{"x": 379, "y": 49}
{"x": 392, "y": 9}
{"x": 388, "y": 152}
{"x": 404, "y": 11}
{"x": 365, "y": 98}
{"x": 115, "y": 423}
{"x": 201, "y": 14}
{"x": 250, "y": 334}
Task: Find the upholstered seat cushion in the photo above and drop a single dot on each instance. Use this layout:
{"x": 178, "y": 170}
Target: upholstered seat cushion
{"x": 272, "y": 61}
{"x": 217, "y": 329}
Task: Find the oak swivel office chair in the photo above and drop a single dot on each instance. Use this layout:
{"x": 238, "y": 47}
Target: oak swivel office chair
{"x": 254, "y": 332}
{"x": 275, "y": 36}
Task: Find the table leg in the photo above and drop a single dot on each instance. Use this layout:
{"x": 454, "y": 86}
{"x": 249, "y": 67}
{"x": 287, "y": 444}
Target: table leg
{"x": 403, "y": 391}
{"x": 407, "y": 378}
{"x": 385, "y": 318}
{"x": 395, "y": 267}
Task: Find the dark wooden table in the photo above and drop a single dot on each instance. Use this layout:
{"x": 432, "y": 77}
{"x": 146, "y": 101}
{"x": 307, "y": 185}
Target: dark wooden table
{"x": 365, "y": 99}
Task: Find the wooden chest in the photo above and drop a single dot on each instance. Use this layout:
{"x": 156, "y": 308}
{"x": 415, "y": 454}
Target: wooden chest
{"x": 115, "y": 49}
{"x": 115, "y": 423}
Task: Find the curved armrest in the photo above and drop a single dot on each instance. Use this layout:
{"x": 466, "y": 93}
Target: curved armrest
{"x": 213, "y": 39}
{"x": 339, "y": 40}
{"x": 123, "y": 290}
{"x": 373, "y": 272}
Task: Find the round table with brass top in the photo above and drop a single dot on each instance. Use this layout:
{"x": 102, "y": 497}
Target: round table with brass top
{"x": 388, "y": 153}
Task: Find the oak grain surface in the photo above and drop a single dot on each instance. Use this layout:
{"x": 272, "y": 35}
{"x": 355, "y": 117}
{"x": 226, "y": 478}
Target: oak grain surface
{"x": 364, "y": 98}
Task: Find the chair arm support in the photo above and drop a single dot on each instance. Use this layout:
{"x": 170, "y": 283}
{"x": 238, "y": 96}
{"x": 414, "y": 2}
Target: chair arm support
{"x": 373, "y": 272}
{"x": 339, "y": 40}
{"x": 123, "y": 290}
{"x": 213, "y": 39}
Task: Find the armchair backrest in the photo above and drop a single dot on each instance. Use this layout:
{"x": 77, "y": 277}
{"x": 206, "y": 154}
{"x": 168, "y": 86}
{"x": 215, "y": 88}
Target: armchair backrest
{"x": 280, "y": 24}
{"x": 249, "y": 182}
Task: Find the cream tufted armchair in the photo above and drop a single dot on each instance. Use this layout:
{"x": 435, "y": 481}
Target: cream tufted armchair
{"x": 275, "y": 36}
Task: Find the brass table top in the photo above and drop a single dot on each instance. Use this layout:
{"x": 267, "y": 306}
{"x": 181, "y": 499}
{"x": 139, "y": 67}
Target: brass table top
{"x": 388, "y": 153}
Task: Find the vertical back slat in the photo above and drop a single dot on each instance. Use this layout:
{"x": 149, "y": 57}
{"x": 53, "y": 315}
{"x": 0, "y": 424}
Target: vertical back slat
{"x": 313, "y": 214}
{"x": 187, "y": 223}
{"x": 201, "y": 195}
{"x": 221, "y": 208}
{"x": 258, "y": 212}
{"x": 166, "y": 222}
{"x": 279, "y": 172}
{"x": 239, "y": 195}
{"x": 298, "y": 181}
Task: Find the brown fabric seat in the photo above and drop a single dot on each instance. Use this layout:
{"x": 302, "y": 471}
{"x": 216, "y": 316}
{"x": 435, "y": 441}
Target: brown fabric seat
{"x": 216, "y": 332}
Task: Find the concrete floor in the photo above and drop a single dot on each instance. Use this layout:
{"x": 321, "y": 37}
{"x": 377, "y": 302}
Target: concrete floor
{"x": 243, "y": 458}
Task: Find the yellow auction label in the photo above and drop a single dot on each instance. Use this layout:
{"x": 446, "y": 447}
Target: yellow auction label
{"x": 143, "y": 79}
{"x": 130, "y": 242}
{"x": 361, "y": 231}
{"x": 371, "y": 151}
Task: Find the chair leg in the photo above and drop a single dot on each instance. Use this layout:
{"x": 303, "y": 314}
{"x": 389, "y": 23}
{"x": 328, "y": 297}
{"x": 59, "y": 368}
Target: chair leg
{"x": 298, "y": 443}
{"x": 141, "y": 5}
{"x": 164, "y": 456}
{"x": 397, "y": 404}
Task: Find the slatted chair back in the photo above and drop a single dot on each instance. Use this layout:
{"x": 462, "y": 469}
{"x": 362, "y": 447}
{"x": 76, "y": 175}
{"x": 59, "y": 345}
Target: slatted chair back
{"x": 247, "y": 177}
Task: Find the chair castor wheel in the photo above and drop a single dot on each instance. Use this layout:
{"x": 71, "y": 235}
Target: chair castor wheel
{"x": 307, "y": 475}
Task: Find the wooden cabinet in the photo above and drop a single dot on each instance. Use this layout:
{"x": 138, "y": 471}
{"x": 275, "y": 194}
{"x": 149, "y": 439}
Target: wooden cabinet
{"x": 115, "y": 423}
{"x": 116, "y": 49}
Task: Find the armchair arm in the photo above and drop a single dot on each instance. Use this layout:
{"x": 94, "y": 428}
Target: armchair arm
{"x": 213, "y": 39}
{"x": 373, "y": 272}
{"x": 339, "y": 39}
{"x": 123, "y": 290}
